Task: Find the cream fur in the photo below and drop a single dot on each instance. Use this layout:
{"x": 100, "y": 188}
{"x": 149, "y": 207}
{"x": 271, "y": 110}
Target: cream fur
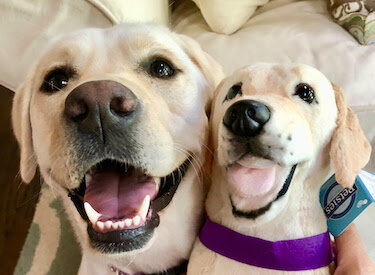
{"x": 350, "y": 150}
{"x": 175, "y": 122}
{"x": 311, "y": 128}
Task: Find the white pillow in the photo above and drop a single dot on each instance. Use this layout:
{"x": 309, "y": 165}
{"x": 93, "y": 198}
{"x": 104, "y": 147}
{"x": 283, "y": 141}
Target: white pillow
{"x": 119, "y": 11}
{"x": 27, "y": 26}
{"x": 225, "y": 16}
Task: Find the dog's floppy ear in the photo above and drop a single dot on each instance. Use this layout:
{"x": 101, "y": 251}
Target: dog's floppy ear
{"x": 212, "y": 143}
{"x": 211, "y": 69}
{"x": 350, "y": 150}
{"x": 22, "y": 130}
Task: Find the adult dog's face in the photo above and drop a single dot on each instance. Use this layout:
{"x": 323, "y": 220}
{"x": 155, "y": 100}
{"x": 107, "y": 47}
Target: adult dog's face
{"x": 116, "y": 118}
{"x": 267, "y": 120}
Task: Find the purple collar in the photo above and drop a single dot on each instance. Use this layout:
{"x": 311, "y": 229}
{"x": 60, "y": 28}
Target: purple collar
{"x": 290, "y": 255}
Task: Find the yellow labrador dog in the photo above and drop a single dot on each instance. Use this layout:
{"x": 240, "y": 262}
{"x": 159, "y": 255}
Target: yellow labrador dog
{"x": 276, "y": 130}
{"x": 116, "y": 119}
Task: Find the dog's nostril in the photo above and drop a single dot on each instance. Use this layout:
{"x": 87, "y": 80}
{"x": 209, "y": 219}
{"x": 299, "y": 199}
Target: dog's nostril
{"x": 233, "y": 115}
{"x": 250, "y": 112}
{"x": 76, "y": 110}
{"x": 121, "y": 106}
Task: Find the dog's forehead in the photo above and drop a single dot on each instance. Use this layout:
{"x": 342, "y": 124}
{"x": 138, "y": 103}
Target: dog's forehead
{"x": 125, "y": 41}
{"x": 265, "y": 79}
{"x": 270, "y": 78}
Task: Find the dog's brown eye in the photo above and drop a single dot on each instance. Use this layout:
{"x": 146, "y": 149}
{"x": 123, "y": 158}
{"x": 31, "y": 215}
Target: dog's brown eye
{"x": 233, "y": 91}
{"x": 161, "y": 69}
{"x": 305, "y": 92}
{"x": 57, "y": 80}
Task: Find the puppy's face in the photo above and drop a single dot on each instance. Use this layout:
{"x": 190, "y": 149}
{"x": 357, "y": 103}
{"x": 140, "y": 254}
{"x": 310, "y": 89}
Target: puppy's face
{"x": 267, "y": 120}
{"x": 116, "y": 118}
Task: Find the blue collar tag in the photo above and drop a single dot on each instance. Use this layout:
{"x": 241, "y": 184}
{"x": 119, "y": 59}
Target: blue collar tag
{"x": 342, "y": 205}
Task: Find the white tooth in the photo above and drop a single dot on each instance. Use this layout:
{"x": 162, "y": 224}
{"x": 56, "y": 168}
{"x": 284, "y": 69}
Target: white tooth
{"x": 157, "y": 183}
{"x": 128, "y": 222}
{"x": 136, "y": 220}
{"x": 91, "y": 213}
{"x": 100, "y": 225}
{"x": 115, "y": 225}
{"x": 87, "y": 178}
{"x": 142, "y": 211}
{"x": 108, "y": 224}
{"x": 121, "y": 224}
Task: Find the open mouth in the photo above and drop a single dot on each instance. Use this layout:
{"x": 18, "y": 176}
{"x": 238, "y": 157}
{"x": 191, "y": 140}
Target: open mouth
{"x": 120, "y": 202}
{"x": 261, "y": 179}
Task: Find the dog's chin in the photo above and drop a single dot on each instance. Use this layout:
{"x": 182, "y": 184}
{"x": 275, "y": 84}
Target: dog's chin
{"x": 255, "y": 183}
{"x": 120, "y": 204}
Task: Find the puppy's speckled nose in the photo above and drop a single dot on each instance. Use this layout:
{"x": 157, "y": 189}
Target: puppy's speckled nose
{"x": 97, "y": 104}
{"x": 246, "y": 118}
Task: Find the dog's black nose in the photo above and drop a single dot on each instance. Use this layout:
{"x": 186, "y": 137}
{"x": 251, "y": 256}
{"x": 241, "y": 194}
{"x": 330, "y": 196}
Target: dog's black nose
{"x": 246, "y": 118}
{"x": 97, "y": 104}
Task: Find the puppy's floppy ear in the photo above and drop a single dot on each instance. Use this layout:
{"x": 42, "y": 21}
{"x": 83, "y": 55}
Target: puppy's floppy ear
{"x": 212, "y": 142}
{"x": 350, "y": 150}
{"x": 211, "y": 69}
{"x": 22, "y": 130}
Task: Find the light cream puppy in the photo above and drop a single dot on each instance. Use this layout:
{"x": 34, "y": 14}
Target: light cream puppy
{"x": 117, "y": 119}
{"x": 267, "y": 118}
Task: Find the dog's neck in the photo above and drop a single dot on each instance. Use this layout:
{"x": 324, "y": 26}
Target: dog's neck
{"x": 301, "y": 215}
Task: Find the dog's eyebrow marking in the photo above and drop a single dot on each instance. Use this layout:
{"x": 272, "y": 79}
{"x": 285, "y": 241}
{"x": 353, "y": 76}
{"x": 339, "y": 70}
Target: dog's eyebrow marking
{"x": 234, "y": 90}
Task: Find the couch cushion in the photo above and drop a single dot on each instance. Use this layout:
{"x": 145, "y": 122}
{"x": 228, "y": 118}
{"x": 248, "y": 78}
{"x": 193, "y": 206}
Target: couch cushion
{"x": 225, "y": 16}
{"x": 27, "y": 26}
{"x": 288, "y": 31}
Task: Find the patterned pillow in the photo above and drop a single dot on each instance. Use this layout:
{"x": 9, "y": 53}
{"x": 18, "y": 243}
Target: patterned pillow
{"x": 356, "y": 16}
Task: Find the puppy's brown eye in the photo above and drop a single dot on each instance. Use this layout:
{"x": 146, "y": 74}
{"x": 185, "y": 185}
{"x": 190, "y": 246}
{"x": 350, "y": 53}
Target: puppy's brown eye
{"x": 305, "y": 92}
{"x": 57, "y": 80}
{"x": 161, "y": 69}
{"x": 233, "y": 91}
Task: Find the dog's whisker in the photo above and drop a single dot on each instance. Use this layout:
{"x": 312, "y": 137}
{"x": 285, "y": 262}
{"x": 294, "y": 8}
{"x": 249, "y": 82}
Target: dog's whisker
{"x": 198, "y": 171}
{"x": 131, "y": 260}
{"x": 208, "y": 149}
{"x": 54, "y": 86}
{"x": 31, "y": 199}
{"x": 191, "y": 154}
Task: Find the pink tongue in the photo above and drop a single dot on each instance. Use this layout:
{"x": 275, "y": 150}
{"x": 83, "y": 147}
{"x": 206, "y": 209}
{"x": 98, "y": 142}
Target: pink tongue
{"x": 118, "y": 195}
{"x": 251, "y": 181}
